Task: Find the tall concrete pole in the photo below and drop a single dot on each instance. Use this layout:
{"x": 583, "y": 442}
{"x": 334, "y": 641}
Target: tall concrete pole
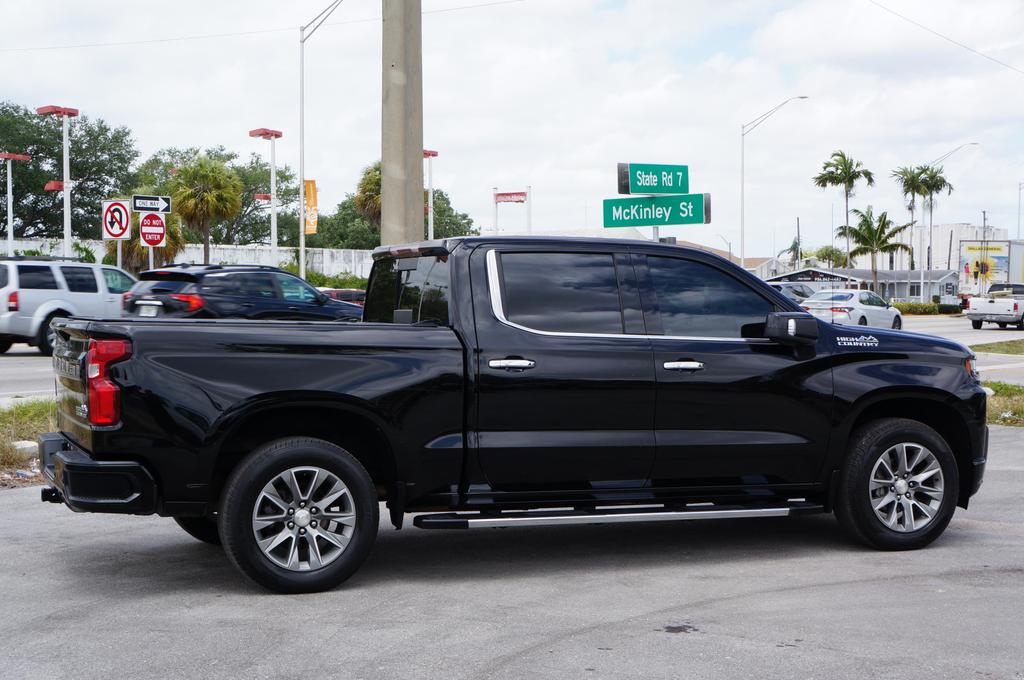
{"x": 402, "y": 123}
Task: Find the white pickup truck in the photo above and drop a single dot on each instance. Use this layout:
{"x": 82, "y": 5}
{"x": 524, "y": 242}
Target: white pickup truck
{"x": 1004, "y": 305}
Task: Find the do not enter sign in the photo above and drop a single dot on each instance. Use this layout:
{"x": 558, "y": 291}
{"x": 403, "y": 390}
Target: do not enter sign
{"x": 153, "y": 229}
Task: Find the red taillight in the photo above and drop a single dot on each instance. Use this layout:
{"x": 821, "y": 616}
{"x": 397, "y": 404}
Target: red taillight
{"x": 842, "y": 310}
{"x": 12, "y": 302}
{"x": 126, "y": 300}
{"x": 104, "y": 393}
{"x": 1015, "y": 308}
{"x": 191, "y": 300}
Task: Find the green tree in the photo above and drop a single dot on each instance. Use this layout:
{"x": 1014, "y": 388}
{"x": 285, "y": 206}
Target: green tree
{"x": 346, "y": 228}
{"x": 933, "y": 182}
{"x": 252, "y": 223}
{"x": 367, "y": 198}
{"x": 873, "y": 236}
{"x": 840, "y": 170}
{"x": 832, "y": 256}
{"x": 793, "y": 251}
{"x": 206, "y": 192}
{"x": 101, "y": 157}
{"x": 448, "y": 222}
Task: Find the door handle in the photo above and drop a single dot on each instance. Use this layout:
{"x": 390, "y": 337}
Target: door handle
{"x": 512, "y": 364}
{"x": 683, "y": 366}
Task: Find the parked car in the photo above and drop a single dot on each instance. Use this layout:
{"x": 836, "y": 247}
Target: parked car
{"x": 797, "y": 292}
{"x": 232, "y": 291}
{"x": 500, "y": 382}
{"x": 1003, "y": 305}
{"x": 356, "y": 296}
{"x": 853, "y": 307}
{"x": 36, "y": 290}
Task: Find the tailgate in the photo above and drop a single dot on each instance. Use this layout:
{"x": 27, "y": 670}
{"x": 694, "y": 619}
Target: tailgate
{"x": 69, "y": 350}
{"x": 993, "y": 305}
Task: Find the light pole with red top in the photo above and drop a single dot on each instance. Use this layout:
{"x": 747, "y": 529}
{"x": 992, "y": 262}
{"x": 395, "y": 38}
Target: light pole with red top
{"x": 430, "y": 155}
{"x": 10, "y": 197}
{"x": 65, "y": 114}
{"x": 266, "y": 133}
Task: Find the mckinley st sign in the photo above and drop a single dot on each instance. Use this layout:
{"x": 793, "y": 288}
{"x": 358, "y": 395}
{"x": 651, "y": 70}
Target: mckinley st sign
{"x": 657, "y": 211}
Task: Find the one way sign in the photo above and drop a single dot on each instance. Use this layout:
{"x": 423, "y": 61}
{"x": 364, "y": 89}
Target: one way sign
{"x": 160, "y": 204}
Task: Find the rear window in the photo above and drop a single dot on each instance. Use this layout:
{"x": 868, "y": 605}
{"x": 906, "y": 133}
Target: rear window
{"x": 1004, "y": 287}
{"x": 36, "y": 276}
{"x": 154, "y": 287}
{"x": 80, "y": 279}
{"x": 416, "y": 287}
{"x": 832, "y": 297}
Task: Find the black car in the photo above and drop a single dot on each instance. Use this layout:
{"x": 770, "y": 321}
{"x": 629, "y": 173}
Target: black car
{"x": 512, "y": 382}
{"x": 232, "y": 291}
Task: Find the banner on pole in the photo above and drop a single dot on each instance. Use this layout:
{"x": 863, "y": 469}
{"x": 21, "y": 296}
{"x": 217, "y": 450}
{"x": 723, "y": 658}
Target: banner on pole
{"x": 311, "y": 213}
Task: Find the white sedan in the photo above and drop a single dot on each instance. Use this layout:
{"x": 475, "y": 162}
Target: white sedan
{"x": 854, "y": 308}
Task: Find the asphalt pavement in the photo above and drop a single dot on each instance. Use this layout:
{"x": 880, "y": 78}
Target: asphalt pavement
{"x": 102, "y": 596}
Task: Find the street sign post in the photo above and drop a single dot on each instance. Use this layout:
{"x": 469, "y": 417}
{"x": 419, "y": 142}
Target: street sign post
{"x": 153, "y": 230}
{"x": 648, "y": 178}
{"x": 657, "y": 211}
{"x": 153, "y": 204}
{"x": 116, "y": 223}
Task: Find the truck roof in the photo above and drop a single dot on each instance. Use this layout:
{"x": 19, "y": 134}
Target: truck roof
{"x": 444, "y": 246}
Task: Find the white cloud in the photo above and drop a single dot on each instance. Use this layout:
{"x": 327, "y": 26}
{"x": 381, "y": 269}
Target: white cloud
{"x": 554, "y": 94}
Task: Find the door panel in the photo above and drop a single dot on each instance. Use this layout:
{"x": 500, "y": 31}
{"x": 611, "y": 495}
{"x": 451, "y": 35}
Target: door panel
{"x": 575, "y": 411}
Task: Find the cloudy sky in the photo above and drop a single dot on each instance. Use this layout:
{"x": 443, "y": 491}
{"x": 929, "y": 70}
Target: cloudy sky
{"x": 553, "y": 93}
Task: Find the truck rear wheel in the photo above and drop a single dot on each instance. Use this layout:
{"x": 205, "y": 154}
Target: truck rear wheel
{"x": 299, "y": 515}
{"x": 976, "y": 325}
{"x": 5, "y": 343}
{"x": 200, "y": 528}
{"x": 899, "y": 486}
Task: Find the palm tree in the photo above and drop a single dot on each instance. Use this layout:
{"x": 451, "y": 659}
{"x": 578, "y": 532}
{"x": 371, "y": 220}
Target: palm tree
{"x": 368, "y": 194}
{"x": 793, "y": 251}
{"x": 933, "y": 182}
{"x": 842, "y": 171}
{"x": 831, "y": 255}
{"x": 872, "y": 236}
{"x": 205, "y": 192}
{"x": 911, "y": 184}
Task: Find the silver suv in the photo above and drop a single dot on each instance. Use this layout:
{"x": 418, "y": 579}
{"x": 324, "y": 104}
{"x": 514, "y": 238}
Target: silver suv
{"x": 34, "y": 290}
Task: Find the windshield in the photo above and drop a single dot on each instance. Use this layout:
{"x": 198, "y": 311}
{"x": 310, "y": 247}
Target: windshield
{"x": 408, "y": 290}
{"x": 826, "y": 296}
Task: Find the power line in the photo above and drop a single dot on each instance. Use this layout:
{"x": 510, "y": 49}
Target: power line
{"x": 234, "y": 34}
{"x": 946, "y": 37}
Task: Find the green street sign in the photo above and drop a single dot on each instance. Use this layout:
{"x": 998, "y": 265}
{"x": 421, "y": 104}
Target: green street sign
{"x": 657, "y": 211}
{"x": 645, "y": 178}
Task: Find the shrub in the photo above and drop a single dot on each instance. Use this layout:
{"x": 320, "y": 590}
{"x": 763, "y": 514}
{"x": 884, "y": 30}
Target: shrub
{"x": 950, "y": 309}
{"x": 917, "y": 307}
{"x": 320, "y": 280}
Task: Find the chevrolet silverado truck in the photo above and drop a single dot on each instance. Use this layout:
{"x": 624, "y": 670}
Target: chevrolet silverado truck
{"x": 513, "y": 382}
{"x": 1003, "y": 305}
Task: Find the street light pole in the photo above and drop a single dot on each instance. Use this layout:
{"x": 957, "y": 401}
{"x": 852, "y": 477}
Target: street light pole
{"x": 10, "y": 197}
{"x": 728, "y": 245}
{"x": 430, "y": 155}
{"x": 316, "y": 23}
{"x": 272, "y": 135}
{"x": 65, "y": 113}
{"x": 744, "y": 130}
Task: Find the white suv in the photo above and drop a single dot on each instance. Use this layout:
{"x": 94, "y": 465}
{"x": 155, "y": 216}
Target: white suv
{"x": 33, "y": 291}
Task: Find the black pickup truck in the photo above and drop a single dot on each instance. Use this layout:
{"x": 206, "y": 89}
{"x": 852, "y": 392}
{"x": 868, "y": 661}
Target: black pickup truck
{"x": 498, "y": 382}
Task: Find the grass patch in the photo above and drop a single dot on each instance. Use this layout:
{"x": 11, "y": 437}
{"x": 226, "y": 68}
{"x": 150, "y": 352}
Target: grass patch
{"x": 1006, "y": 406}
{"x": 26, "y": 420}
{"x": 1005, "y": 347}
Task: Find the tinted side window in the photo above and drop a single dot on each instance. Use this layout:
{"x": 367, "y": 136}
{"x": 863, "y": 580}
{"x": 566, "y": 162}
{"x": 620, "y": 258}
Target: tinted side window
{"x": 562, "y": 292}
{"x": 36, "y": 276}
{"x": 80, "y": 279}
{"x": 3, "y": 275}
{"x": 698, "y": 300}
{"x": 117, "y": 282}
{"x": 295, "y": 289}
{"x": 418, "y": 284}
{"x": 220, "y": 284}
{"x": 257, "y": 285}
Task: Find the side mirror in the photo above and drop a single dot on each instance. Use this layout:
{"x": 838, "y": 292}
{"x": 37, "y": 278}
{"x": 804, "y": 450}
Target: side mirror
{"x": 323, "y": 299}
{"x": 791, "y": 328}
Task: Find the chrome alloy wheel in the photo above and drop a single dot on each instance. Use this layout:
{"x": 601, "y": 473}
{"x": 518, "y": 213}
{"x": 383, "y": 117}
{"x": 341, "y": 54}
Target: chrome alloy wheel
{"x": 906, "y": 487}
{"x": 304, "y": 518}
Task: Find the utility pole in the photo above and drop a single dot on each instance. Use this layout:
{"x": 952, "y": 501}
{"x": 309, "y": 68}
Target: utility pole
{"x": 799, "y": 245}
{"x": 402, "y": 123}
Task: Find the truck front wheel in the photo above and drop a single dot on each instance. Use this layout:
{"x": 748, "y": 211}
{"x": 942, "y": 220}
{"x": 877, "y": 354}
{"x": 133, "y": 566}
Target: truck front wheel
{"x": 976, "y": 325}
{"x": 899, "y": 486}
{"x": 299, "y": 515}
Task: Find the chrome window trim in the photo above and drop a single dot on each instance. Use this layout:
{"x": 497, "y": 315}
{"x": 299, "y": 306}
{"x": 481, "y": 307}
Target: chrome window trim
{"x": 498, "y": 310}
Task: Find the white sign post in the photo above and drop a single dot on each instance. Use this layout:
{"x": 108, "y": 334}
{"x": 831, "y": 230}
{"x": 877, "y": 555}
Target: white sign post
{"x": 116, "y": 222}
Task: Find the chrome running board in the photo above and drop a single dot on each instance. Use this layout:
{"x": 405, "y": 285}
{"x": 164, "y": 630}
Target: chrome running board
{"x": 471, "y": 520}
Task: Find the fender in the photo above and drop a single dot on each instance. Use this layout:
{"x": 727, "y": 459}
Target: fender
{"x": 49, "y": 307}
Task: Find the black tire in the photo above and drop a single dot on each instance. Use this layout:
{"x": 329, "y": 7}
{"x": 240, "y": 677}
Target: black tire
{"x": 853, "y": 502}
{"x": 897, "y": 322}
{"x": 976, "y": 325}
{"x": 1002, "y": 324}
{"x": 242, "y": 492}
{"x": 5, "y": 344}
{"x": 863, "y": 321}
{"x": 43, "y": 343}
{"x": 200, "y": 528}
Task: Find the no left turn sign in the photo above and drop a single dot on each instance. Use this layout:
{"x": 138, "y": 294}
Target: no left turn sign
{"x": 153, "y": 229}
{"x": 116, "y": 221}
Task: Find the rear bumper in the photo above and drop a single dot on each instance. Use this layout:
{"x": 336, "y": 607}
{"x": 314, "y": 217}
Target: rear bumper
{"x": 88, "y": 485}
{"x": 994, "y": 318}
